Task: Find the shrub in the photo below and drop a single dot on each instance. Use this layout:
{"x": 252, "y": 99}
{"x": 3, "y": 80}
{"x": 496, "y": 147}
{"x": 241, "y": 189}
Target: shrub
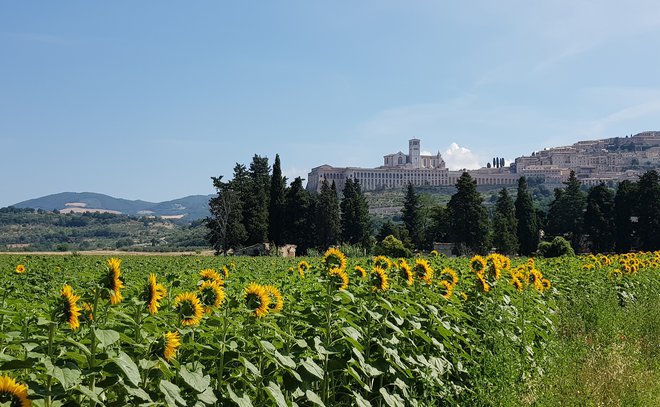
{"x": 392, "y": 247}
{"x": 558, "y": 247}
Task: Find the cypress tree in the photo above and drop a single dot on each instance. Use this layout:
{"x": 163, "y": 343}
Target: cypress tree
{"x": 527, "y": 227}
{"x": 566, "y": 213}
{"x": 327, "y": 226}
{"x": 648, "y": 207}
{"x": 505, "y": 226}
{"x": 469, "y": 217}
{"x": 355, "y": 222}
{"x": 599, "y": 218}
{"x": 624, "y": 200}
{"x": 256, "y": 201}
{"x": 412, "y": 216}
{"x": 276, "y": 204}
{"x": 299, "y": 213}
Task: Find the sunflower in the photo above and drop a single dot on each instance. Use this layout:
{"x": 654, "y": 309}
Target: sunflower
{"x": 225, "y": 271}
{"x": 380, "y": 280}
{"x": 423, "y": 270}
{"x": 211, "y": 295}
{"x": 478, "y": 265}
{"x": 87, "y": 311}
{"x": 484, "y": 284}
{"x": 340, "y": 277}
{"x": 616, "y": 273}
{"x": 153, "y": 293}
{"x": 361, "y": 271}
{"x": 448, "y": 288}
{"x": 211, "y": 275}
{"x": 167, "y": 345}
{"x": 545, "y": 283}
{"x": 452, "y": 275}
{"x": 257, "y": 299}
{"x": 13, "y": 392}
{"x": 276, "y": 300}
{"x": 517, "y": 282}
{"x": 112, "y": 281}
{"x": 535, "y": 277}
{"x": 68, "y": 307}
{"x": 189, "y": 308}
{"x": 434, "y": 253}
{"x": 20, "y": 269}
{"x": 303, "y": 267}
{"x": 383, "y": 262}
{"x": 334, "y": 258}
{"x": 406, "y": 272}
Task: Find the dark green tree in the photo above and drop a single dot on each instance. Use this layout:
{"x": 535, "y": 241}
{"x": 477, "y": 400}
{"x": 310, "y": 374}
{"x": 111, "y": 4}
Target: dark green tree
{"x": 648, "y": 208}
{"x": 624, "y": 203}
{"x": 276, "y": 204}
{"x": 599, "y": 218}
{"x": 355, "y": 222}
{"x": 527, "y": 226}
{"x": 566, "y": 214}
{"x": 225, "y": 226}
{"x": 469, "y": 218}
{"x": 439, "y": 231}
{"x": 256, "y": 201}
{"x": 299, "y": 214}
{"x": 505, "y": 226}
{"x": 412, "y": 216}
{"x": 328, "y": 227}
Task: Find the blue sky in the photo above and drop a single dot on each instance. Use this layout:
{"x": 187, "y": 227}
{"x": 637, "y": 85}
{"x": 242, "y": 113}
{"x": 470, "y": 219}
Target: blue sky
{"x": 148, "y": 100}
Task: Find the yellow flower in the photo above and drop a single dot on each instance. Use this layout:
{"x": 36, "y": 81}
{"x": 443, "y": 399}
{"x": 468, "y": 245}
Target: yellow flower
{"x": 303, "y": 267}
{"x": 423, "y": 270}
{"x": 257, "y": 299}
{"x": 535, "y": 277}
{"x": 448, "y": 288}
{"x": 211, "y": 275}
{"x": 112, "y": 280}
{"x": 341, "y": 277}
{"x": 434, "y": 253}
{"x": 383, "y": 262}
{"x": 154, "y": 292}
{"x": 172, "y": 342}
{"x": 484, "y": 284}
{"x": 517, "y": 283}
{"x": 189, "y": 308}
{"x": 478, "y": 265}
{"x": 69, "y": 308}
{"x": 452, "y": 275}
{"x": 87, "y": 311}
{"x": 334, "y": 258}
{"x": 276, "y": 300}
{"x": 545, "y": 283}
{"x": 20, "y": 269}
{"x": 406, "y": 272}
{"x": 14, "y": 393}
{"x": 361, "y": 271}
{"x": 616, "y": 273}
{"x": 381, "y": 281}
{"x": 211, "y": 295}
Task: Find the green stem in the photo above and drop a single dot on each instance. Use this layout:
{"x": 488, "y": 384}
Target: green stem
{"x": 51, "y": 334}
{"x": 92, "y": 350}
{"x": 221, "y": 362}
{"x": 328, "y": 315}
{"x": 138, "y": 323}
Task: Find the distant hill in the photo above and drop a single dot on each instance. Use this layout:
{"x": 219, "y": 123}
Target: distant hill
{"x": 189, "y": 208}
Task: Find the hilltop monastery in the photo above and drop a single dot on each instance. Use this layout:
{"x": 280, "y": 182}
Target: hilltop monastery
{"x": 594, "y": 162}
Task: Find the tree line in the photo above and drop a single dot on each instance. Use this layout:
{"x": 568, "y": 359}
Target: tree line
{"x": 258, "y": 206}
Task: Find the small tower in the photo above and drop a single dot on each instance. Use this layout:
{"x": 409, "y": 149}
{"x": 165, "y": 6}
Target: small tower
{"x": 414, "y": 153}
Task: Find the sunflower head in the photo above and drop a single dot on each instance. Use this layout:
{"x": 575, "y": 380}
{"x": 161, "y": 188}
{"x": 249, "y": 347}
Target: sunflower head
{"x": 167, "y": 345}
{"x": 153, "y": 294}
{"x": 422, "y": 270}
{"x": 382, "y": 262}
{"x": 87, "y": 311}
{"x": 334, "y": 258}
{"x": 257, "y": 299}
{"x": 112, "y": 280}
{"x": 361, "y": 271}
{"x": 447, "y": 289}
{"x": 211, "y": 295}
{"x": 380, "y": 279}
{"x": 13, "y": 392}
{"x": 449, "y": 275}
{"x": 478, "y": 265}
{"x": 485, "y": 287}
{"x": 276, "y": 300}
{"x": 20, "y": 269}
{"x": 67, "y": 307}
{"x": 211, "y": 275}
{"x": 546, "y": 284}
{"x": 189, "y": 308}
{"x": 339, "y": 278}
{"x": 406, "y": 272}
{"x": 303, "y": 267}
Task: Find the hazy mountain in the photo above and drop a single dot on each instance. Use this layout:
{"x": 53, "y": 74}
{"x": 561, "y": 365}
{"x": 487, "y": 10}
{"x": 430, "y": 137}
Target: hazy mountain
{"x": 188, "y": 208}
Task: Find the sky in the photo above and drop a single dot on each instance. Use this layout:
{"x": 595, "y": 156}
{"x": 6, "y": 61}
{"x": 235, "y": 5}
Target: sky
{"x": 148, "y": 100}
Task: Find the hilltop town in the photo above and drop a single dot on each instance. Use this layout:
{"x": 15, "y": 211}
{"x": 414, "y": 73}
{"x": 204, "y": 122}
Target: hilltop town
{"x": 606, "y": 161}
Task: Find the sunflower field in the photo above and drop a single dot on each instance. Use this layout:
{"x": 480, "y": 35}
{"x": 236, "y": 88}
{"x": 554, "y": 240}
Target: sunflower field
{"x": 329, "y": 331}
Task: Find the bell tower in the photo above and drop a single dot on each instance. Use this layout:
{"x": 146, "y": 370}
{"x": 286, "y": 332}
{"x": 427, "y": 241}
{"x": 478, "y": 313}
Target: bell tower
{"x": 414, "y": 153}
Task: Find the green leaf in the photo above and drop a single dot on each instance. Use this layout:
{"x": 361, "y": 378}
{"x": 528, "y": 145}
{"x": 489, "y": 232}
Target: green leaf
{"x": 360, "y": 401}
{"x": 314, "y": 398}
{"x": 207, "y": 397}
{"x": 172, "y": 393}
{"x": 312, "y": 367}
{"x": 66, "y": 376}
{"x": 86, "y": 391}
{"x": 392, "y": 400}
{"x": 196, "y": 380}
{"x": 242, "y": 401}
{"x": 276, "y": 394}
{"x": 106, "y": 337}
{"x": 139, "y": 393}
{"x": 17, "y": 364}
{"x": 250, "y": 366}
{"x": 128, "y": 368}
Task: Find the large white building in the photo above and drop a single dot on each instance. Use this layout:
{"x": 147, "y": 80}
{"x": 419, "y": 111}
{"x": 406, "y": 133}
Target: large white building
{"x": 400, "y": 169}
